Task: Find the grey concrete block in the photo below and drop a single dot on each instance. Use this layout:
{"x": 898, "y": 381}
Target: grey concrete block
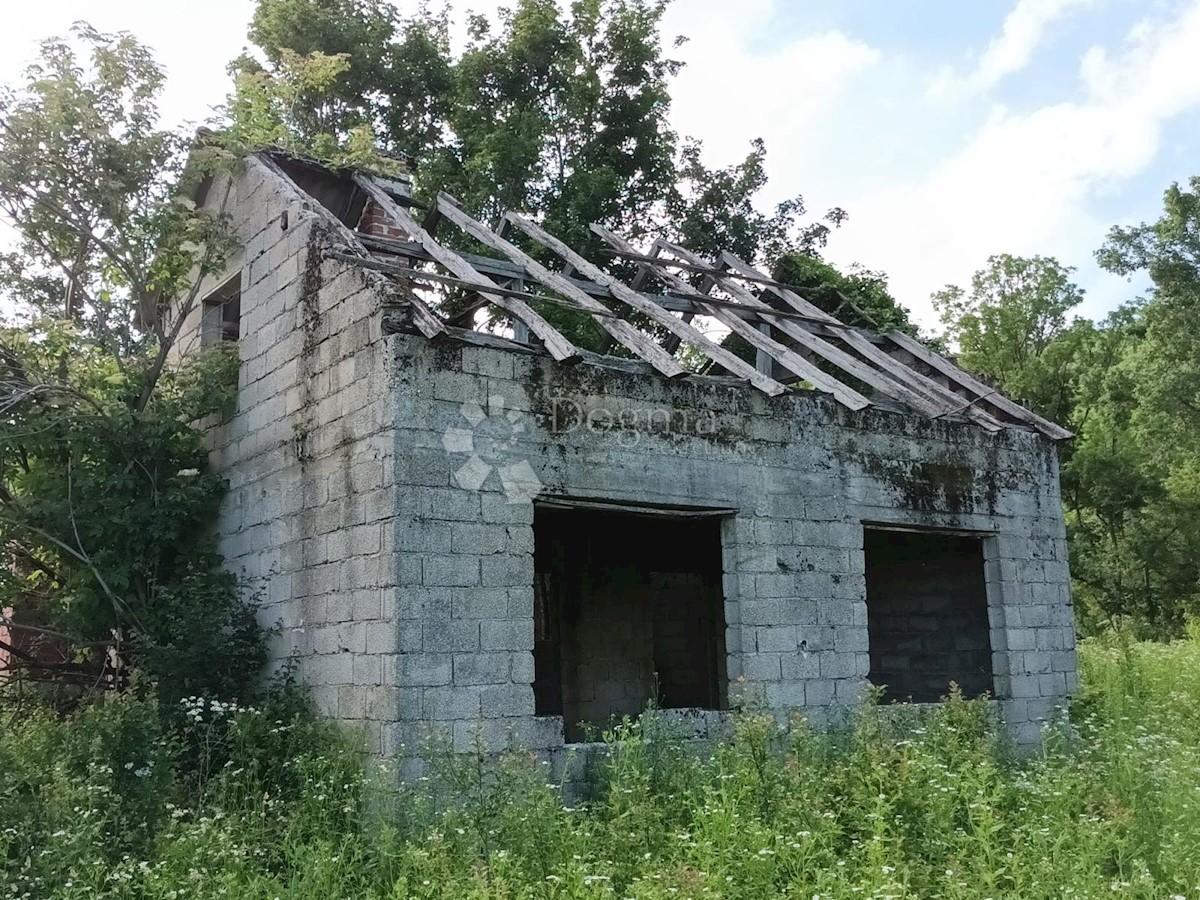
{"x": 507, "y": 571}
{"x": 424, "y": 669}
{"x": 450, "y": 637}
{"x": 481, "y": 603}
{"x": 482, "y": 668}
{"x": 506, "y": 635}
{"x": 451, "y": 571}
{"x": 507, "y": 701}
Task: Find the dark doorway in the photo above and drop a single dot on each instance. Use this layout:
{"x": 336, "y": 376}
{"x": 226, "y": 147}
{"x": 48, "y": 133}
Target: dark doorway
{"x": 927, "y": 616}
{"x": 628, "y": 609}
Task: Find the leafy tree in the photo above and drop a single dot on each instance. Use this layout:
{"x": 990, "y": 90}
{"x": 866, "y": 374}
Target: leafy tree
{"x": 559, "y": 113}
{"x": 1139, "y": 459}
{"x": 1012, "y": 328}
{"x": 859, "y": 298}
{"x": 105, "y": 496}
{"x": 563, "y": 113}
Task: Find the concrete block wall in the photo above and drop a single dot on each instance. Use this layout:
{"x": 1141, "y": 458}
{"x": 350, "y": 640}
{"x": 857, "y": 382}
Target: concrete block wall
{"x": 308, "y": 519}
{"x": 800, "y": 477}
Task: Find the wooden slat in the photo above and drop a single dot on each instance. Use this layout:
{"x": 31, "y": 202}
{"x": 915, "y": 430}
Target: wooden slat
{"x": 408, "y": 273}
{"x": 860, "y": 370}
{"x": 787, "y": 357}
{"x": 427, "y": 322}
{"x": 627, "y": 295}
{"x": 763, "y": 361}
{"x": 503, "y": 268}
{"x": 984, "y": 393}
{"x": 936, "y": 400}
{"x": 641, "y": 344}
{"x": 557, "y": 345}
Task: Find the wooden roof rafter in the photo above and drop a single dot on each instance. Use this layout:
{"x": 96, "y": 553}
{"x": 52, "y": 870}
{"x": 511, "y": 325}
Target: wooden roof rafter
{"x": 555, "y": 343}
{"x": 638, "y": 341}
{"x": 785, "y": 356}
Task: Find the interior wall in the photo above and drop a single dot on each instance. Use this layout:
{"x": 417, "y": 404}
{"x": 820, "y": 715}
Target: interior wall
{"x": 927, "y": 617}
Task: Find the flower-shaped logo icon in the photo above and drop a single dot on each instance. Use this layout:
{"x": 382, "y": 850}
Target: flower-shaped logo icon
{"x": 490, "y": 444}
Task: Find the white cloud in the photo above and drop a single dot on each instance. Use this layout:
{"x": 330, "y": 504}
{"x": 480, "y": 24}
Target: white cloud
{"x": 1024, "y": 181}
{"x": 192, "y": 41}
{"x": 735, "y": 88}
{"x": 1010, "y": 51}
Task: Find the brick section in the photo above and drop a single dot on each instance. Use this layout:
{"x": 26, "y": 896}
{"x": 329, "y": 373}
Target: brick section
{"x": 375, "y": 223}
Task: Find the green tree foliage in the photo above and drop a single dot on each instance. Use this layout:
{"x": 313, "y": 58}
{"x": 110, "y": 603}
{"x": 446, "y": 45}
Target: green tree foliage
{"x": 1012, "y": 324}
{"x": 1144, "y": 450}
{"x": 105, "y": 496}
{"x": 558, "y": 112}
{"x": 1129, "y": 386}
{"x": 562, "y": 113}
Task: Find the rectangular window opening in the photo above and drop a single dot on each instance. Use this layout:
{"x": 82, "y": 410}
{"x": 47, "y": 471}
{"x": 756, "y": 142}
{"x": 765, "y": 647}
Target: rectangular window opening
{"x": 222, "y": 313}
{"x": 927, "y": 615}
{"x": 628, "y": 608}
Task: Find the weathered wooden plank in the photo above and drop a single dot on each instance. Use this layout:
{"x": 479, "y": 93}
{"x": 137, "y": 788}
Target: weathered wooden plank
{"x": 787, "y": 357}
{"x": 984, "y": 393}
{"x": 763, "y": 361}
{"x": 556, "y": 344}
{"x": 627, "y": 295}
{"x": 389, "y": 268}
{"x": 504, "y": 269}
{"x": 425, "y": 319}
{"x": 641, "y": 344}
{"x": 935, "y": 399}
{"x": 825, "y": 350}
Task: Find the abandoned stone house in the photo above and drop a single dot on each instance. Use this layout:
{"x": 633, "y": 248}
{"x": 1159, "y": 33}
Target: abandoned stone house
{"x": 458, "y": 518}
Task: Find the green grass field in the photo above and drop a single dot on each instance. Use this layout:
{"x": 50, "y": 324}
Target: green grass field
{"x": 268, "y": 803}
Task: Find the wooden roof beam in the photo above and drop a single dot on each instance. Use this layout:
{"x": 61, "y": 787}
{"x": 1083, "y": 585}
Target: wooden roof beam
{"x": 632, "y": 298}
{"x": 785, "y": 356}
{"x": 984, "y": 393}
{"x": 889, "y": 387}
{"x": 942, "y": 400}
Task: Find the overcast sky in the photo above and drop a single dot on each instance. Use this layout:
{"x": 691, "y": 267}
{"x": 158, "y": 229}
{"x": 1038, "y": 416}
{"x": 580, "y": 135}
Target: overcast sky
{"x": 948, "y": 129}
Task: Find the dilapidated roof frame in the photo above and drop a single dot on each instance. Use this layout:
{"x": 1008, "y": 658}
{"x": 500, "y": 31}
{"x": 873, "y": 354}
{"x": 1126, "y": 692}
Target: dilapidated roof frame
{"x": 761, "y": 310}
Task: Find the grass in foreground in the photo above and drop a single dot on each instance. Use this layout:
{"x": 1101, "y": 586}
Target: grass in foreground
{"x": 269, "y": 803}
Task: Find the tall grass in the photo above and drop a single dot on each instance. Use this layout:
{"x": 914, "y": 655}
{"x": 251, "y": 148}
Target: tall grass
{"x": 270, "y": 803}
